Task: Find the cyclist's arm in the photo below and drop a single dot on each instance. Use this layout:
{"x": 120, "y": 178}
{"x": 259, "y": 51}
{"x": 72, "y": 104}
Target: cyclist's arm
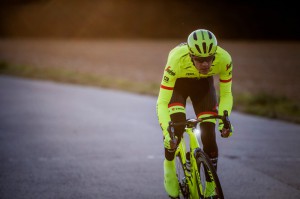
{"x": 165, "y": 94}
{"x": 226, "y": 99}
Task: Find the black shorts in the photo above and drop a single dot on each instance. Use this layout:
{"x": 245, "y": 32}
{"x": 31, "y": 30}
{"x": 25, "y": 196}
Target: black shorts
{"x": 201, "y": 92}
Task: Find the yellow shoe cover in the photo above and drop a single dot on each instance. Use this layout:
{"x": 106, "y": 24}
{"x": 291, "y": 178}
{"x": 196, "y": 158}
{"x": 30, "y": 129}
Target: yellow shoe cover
{"x": 171, "y": 182}
{"x": 210, "y": 189}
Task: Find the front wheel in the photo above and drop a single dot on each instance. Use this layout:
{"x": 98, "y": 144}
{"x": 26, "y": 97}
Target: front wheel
{"x": 209, "y": 186}
{"x": 182, "y": 181}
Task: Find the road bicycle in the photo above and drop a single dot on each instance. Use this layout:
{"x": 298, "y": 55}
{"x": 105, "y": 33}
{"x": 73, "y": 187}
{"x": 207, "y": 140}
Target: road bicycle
{"x": 196, "y": 175}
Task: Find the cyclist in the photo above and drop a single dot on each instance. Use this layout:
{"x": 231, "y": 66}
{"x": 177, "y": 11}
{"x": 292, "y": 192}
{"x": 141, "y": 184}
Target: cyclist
{"x": 189, "y": 73}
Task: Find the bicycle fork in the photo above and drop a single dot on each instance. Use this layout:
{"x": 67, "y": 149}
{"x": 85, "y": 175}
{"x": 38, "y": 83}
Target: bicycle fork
{"x": 183, "y": 182}
{"x": 194, "y": 146}
{"x": 188, "y": 184}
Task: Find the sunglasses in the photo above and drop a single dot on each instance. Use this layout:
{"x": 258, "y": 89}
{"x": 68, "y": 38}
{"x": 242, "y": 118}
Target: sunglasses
{"x": 202, "y": 59}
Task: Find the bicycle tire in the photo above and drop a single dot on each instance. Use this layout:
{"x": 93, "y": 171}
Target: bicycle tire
{"x": 181, "y": 177}
{"x": 207, "y": 171}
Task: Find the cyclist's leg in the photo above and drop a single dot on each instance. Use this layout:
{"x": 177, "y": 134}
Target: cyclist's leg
{"x": 177, "y": 114}
{"x": 208, "y": 137}
{"x": 205, "y": 104}
{"x": 210, "y": 147}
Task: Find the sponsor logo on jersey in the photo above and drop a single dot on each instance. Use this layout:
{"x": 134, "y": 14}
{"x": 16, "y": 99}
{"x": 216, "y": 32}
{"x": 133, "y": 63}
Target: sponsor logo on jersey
{"x": 170, "y": 71}
{"x": 166, "y": 79}
{"x": 178, "y": 109}
{"x": 228, "y": 66}
{"x": 189, "y": 74}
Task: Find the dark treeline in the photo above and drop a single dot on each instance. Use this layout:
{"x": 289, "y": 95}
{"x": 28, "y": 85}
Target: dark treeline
{"x": 262, "y": 20}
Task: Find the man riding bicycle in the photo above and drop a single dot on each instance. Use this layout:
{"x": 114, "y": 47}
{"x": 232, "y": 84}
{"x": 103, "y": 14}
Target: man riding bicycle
{"x": 189, "y": 73}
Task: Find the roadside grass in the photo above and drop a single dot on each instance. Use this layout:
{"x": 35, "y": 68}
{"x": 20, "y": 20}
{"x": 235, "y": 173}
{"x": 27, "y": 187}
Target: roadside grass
{"x": 76, "y": 77}
{"x": 274, "y": 107}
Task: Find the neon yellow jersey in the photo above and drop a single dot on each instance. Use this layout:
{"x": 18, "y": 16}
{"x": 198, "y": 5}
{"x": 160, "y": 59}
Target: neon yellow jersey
{"x": 180, "y": 65}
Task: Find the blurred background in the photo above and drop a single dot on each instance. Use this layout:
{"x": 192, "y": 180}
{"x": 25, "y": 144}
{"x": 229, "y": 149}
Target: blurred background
{"x": 61, "y": 141}
{"x": 92, "y": 42}
{"x": 233, "y": 19}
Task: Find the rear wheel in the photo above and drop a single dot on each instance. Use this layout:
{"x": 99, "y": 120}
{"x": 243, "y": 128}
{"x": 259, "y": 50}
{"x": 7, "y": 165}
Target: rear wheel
{"x": 208, "y": 182}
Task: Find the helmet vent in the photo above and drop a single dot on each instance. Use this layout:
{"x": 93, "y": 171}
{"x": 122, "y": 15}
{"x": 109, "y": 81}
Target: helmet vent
{"x": 202, "y": 35}
{"x": 204, "y": 46}
{"x": 195, "y": 36}
{"x": 210, "y": 47}
{"x": 191, "y": 50}
{"x": 197, "y": 47}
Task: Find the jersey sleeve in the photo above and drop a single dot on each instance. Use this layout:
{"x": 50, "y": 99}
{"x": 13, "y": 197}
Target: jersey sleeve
{"x": 165, "y": 92}
{"x": 226, "y": 98}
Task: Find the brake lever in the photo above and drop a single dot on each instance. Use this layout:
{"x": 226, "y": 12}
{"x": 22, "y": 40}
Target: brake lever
{"x": 226, "y": 121}
{"x": 171, "y": 131}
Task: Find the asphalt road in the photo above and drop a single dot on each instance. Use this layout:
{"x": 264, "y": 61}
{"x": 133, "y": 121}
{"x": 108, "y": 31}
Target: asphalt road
{"x": 61, "y": 141}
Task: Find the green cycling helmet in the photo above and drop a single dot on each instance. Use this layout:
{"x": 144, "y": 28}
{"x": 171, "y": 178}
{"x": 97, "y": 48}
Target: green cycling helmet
{"x": 202, "y": 43}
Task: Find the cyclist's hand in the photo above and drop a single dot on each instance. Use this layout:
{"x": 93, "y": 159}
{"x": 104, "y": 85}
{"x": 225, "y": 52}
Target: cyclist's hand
{"x": 225, "y": 133}
{"x": 168, "y": 142}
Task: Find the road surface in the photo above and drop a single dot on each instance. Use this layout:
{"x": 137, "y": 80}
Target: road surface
{"x": 70, "y": 142}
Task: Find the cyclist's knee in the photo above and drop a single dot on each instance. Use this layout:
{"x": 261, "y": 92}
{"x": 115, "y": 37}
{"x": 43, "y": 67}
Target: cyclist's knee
{"x": 208, "y": 134}
{"x": 207, "y": 127}
{"x": 178, "y": 117}
{"x": 169, "y": 155}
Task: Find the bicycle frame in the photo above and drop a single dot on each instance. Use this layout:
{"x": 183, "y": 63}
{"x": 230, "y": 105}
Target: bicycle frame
{"x": 181, "y": 151}
{"x": 191, "y": 183}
